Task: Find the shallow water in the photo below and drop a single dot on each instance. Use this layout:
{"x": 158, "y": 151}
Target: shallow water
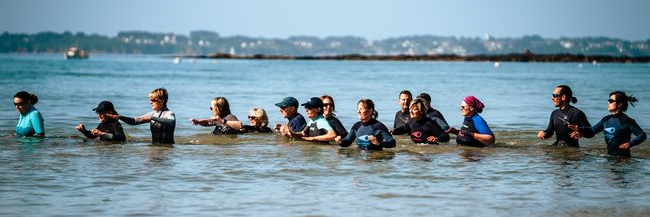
{"x": 250, "y": 175}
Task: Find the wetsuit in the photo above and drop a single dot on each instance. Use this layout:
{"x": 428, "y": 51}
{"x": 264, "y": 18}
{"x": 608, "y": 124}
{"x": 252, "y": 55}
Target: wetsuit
{"x": 436, "y": 116}
{"x": 617, "y": 129}
{"x": 316, "y": 127}
{"x": 162, "y": 125}
{"x": 296, "y": 122}
{"x": 338, "y": 127}
{"x": 223, "y": 129}
{"x": 252, "y": 129}
{"x": 31, "y": 123}
{"x": 558, "y": 125}
{"x": 112, "y": 129}
{"x": 361, "y": 131}
{"x": 421, "y": 129}
{"x": 473, "y": 124}
{"x": 401, "y": 119}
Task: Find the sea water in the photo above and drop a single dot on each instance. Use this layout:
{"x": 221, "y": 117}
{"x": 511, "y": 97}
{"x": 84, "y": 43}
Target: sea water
{"x": 266, "y": 175}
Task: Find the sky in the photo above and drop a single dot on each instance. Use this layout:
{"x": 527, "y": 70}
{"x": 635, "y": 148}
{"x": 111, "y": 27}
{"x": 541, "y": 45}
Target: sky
{"x": 371, "y": 19}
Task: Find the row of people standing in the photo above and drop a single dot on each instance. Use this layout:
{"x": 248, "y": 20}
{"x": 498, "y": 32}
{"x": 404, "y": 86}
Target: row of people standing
{"x": 416, "y": 117}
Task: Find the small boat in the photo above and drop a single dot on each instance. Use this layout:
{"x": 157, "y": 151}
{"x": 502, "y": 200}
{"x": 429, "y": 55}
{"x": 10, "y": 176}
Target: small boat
{"x": 76, "y": 53}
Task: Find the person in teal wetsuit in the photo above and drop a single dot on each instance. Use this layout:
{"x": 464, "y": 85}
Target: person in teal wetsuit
{"x": 31, "y": 121}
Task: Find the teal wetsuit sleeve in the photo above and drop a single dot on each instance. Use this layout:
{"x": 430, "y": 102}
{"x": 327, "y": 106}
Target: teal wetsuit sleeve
{"x": 638, "y": 132}
{"x": 37, "y": 122}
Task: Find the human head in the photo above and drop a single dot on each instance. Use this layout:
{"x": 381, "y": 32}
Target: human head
{"x": 618, "y": 101}
{"x": 427, "y": 100}
{"x": 158, "y": 98}
{"x": 562, "y": 96}
{"x": 328, "y": 105}
{"x": 417, "y": 109}
{"x": 23, "y": 100}
{"x": 258, "y": 118}
{"x": 471, "y": 105}
{"x": 404, "y": 100}
{"x": 366, "y": 110}
{"x": 288, "y": 106}
{"x": 313, "y": 107}
{"x": 220, "y": 106}
{"x": 103, "y": 108}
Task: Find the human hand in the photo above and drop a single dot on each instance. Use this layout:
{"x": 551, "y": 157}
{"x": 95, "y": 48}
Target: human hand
{"x": 97, "y": 132}
{"x": 194, "y": 121}
{"x": 624, "y": 145}
{"x": 573, "y": 127}
{"x": 541, "y": 134}
{"x": 81, "y": 127}
{"x": 391, "y": 131}
{"x": 432, "y": 139}
{"x": 373, "y": 140}
{"x": 575, "y": 135}
{"x": 277, "y": 126}
{"x": 452, "y": 131}
{"x": 338, "y": 139}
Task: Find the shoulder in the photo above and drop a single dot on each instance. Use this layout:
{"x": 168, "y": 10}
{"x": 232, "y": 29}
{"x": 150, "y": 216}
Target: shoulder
{"x": 379, "y": 125}
{"x": 357, "y": 125}
{"x": 231, "y": 117}
{"x": 478, "y": 119}
{"x": 627, "y": 120}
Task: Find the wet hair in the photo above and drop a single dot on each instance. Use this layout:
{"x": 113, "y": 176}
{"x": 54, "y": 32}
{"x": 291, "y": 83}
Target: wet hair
{"x": 623, "y": 99}
{"x": 159, "y": 94}
{"x": 25, "y": 96}
{"x": 426, "y": 97}
{"x": 407, "y": 93}
{"x": 420, "y": 104}
{"x": 261, "y": 115}
{"x": 370, "y": 105}
{"x": 566, "y": 90}
{"x": 222, "y": 106}
{"x": 323, "y": 97}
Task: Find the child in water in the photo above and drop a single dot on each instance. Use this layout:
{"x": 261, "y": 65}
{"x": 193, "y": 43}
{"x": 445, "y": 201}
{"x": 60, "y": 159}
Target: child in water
{"x": 109, "y": 129}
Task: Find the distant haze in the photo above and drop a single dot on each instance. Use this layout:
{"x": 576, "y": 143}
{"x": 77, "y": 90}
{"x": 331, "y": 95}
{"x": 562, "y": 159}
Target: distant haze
{"x": 371, "y": 19}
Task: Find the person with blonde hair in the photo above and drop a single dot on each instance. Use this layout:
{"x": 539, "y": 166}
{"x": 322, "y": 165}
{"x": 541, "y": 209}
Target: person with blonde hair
{"x": 221, "y": 115}
{"x": 258, "y": 119}
{"x": 162, "y": 121}
{"x": 421, "y": 128}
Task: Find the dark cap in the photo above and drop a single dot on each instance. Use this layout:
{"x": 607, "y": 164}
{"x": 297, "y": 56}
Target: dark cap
{"x": 288, "y": 101}
{"x": 314, "y": 102}
{"x": 425, "y": 96}
{"x": 105, "y": 106}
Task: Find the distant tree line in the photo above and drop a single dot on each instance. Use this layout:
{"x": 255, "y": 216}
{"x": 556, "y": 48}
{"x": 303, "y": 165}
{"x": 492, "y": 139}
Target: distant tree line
{"x": 207, "y": 42}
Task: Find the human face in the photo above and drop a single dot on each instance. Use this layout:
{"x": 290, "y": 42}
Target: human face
{"x": 364, "y": 114}
{"x": 22, "y": 106}
{"x": 287, "y": 111}
{"x": 214, "y": 109}
{"x": 557, "y": 97}
{"x": 465, "y": 110}
{"x": 612, "y": 104}
{"x": 312, "y": 112}
{"x": 156, "y": 104}
{"x": 404, "y": 101}
{"x": 103, "y": 117}
{"x": 415, "y": 112}
{"x": 254, "y": 120}
{"x": 328, "y": 107}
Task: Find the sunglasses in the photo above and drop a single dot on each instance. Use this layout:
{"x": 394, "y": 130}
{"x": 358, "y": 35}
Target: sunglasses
{"x": 20, "y": 103}
{"x": 556, "y": 95}
{"x": 464, "y": 107}
{"x": 252, "y": 117}
{"x": 328, "y": 104}
{"x": 610, "y": 101}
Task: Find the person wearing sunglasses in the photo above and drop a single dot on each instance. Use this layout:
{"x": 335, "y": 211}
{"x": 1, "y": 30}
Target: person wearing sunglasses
{"x": 369, "y": 132}
{"x": 162, "y": 121}
{"x": 421, "y": 128}
{"x": 317, "y": 128}
{"x": 109, "y": 129}
{"x": 30, "y": 122}
{"x": 328, "y": 112}
{"x": 289, "y": 110}
{"x": 560, "y": 119}
{"x": 475, "y": 131}
{"x": 258, "y": 120}
{"x": 617, "y": 127}
{"x": 221, "y": 115}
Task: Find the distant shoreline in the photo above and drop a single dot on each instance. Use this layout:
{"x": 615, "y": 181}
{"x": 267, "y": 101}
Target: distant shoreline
{"x": 515, "y": 57}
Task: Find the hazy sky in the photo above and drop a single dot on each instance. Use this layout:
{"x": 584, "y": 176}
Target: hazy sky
{"x": 373, "y": 19}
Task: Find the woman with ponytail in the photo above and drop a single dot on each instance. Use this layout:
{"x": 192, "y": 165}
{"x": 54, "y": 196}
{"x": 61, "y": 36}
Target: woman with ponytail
{"x": 31, "y": 121}
{"x": 371, "y": 134}
{"x": 617, "y": 127}
{"x": 562, "y": 117}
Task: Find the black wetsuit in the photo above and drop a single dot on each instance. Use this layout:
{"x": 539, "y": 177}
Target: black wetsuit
{"x": 252, "y": 129}
{"x": 401, "y": 119}
{"x": 113, "y": 130}
{"x": 617, "y": 129}
{"x": 558, "y": 125}
{"x": 361, "y": 131}
{"x": 162, "y": 125}
{"x": 421, "y": 129}
{"x": 338, "y": 127}
{"x": 473, "y": 124}
{"x": 224, "y": 129}
{"x": 436, "y": 116}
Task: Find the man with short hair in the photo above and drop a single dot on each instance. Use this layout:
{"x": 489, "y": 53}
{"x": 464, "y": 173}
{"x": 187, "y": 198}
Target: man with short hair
{"x": 402, "y": 116}
{"x": 289, "y": 109}
{"x": 432, "y": 113}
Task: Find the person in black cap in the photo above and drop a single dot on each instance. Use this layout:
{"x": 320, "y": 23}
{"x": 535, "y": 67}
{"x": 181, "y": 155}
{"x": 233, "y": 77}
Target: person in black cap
{"x": 432, "y": 113}
{"x": 109, "y": 129}
{"x": 289, "y": 109}
{"x": 318, "y": 129}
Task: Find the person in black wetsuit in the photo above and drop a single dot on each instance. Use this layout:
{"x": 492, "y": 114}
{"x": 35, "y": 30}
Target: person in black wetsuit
{"x": 221, "y": 115}
{"x": 328, "y": 113}
{"x": 369, "y": 133}
{"x": 617, "y": 127}
{"x": 421, "y": 128}
{"x": 475, "y": 131}
{"x": 432, "y": 113}
{"x": 402, "y": 116}
{"x": 562, "y": 117}
{"x": 162, "y": 121}
{"x": 109, "y": 129}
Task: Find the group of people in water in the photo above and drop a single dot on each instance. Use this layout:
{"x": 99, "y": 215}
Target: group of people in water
{"x": 416, "y": 117}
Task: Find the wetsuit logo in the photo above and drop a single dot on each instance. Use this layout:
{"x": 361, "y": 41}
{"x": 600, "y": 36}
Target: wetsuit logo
{"x": 363, "y": 142}
{"x": 415, "y": 136}
{"x": 610, "y": 130}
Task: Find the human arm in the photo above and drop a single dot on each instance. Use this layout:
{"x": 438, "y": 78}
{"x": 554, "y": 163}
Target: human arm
{"x": 550, "y": 129}
{"x": 38, "y": 123}
{"x": 347, "y": 141}
{"x": 640, "y": 135}
{"x": 484, "y": 134}
{"x": 330, "y": 135}
{"x": 85, "y": 132}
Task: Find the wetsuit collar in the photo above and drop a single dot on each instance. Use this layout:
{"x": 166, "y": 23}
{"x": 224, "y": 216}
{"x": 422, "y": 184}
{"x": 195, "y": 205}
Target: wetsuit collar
{"x": 292, "y": 116}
